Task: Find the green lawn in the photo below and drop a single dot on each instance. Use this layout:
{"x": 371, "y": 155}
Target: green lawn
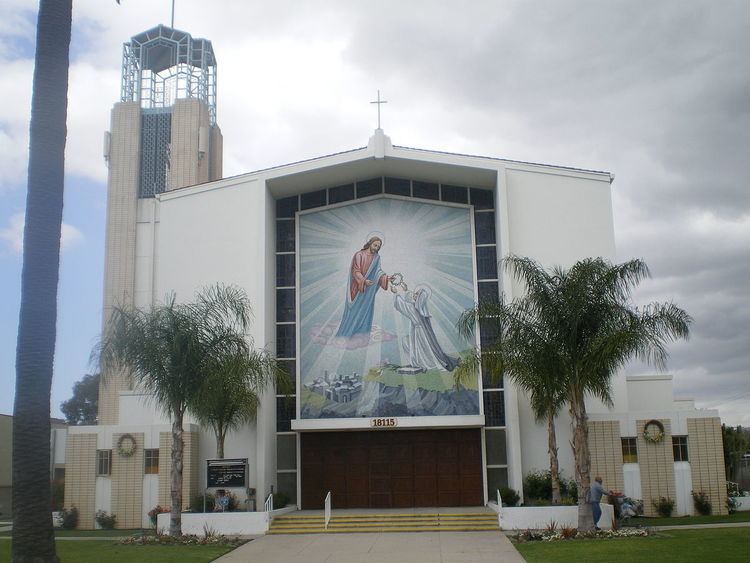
{"x": 98, "y": 551}
{"x": 682, "y": 520}
{"x": 700, "y": 546}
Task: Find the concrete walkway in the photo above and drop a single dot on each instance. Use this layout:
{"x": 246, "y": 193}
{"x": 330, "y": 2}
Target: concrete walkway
{"x": 702, "y": 526}
{"x": 424, "y": 547}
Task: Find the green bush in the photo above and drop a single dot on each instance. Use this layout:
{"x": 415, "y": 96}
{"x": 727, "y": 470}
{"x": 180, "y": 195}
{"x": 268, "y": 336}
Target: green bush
{"x": 280, "y": 500}
{"x": 508, "y": 496}
{"x": 196, "y": 505}
{"x": 537, "y": 485}
{"x": 702, "y": 503}
{"x": 105, "y": 520}
{"x": 58, "y": 494}
{"x": 664, "y": 506}
{"x": 69, "y": 518}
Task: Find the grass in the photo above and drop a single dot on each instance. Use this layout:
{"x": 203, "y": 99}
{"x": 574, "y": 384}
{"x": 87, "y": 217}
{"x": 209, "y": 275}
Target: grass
{"x": 96, "y": 551}
{"x": 718, "y": 544}
{"x": 685, "y": 520}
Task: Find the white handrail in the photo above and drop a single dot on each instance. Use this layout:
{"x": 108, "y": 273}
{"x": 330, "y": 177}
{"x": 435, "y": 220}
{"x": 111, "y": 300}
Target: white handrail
{"x": 499, "y": 500}
{"x": 327, "y": 509}
{"x": 268, "y": 507}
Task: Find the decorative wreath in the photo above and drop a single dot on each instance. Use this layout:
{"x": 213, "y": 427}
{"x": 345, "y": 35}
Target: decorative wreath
{"x": 126, "y": 445}
{"x": 397, "y": 279}
{"x": 653, "y": 432}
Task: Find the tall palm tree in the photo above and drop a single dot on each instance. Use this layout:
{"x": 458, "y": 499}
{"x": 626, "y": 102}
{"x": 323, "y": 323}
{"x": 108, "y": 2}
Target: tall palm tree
{"x": 233, "y": 383}
{"x": 169, "y": 350}
{"x": 33, "y": 536}
{"x": 596, "y": 329}
{"x": 525, "y": 352}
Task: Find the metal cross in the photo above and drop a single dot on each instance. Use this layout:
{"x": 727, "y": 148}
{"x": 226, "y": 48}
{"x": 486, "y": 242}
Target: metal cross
{"x": 379, "y": 101}
{"x": 172, "y": 14}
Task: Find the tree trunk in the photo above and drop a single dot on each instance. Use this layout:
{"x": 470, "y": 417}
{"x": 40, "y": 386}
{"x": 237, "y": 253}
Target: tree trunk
{"x": 33, "y": 536}
{"x": 220, "y": 435}
{"x": 554, "y": 466}
{"x": 582, "y": 461}
{"x": 178, "y": 446}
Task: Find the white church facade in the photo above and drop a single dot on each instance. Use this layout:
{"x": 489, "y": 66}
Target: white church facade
{"x": 358, "y": 265}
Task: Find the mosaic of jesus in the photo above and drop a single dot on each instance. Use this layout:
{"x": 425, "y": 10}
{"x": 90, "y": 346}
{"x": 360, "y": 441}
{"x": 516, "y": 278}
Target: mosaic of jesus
{"x": 383, "y": 283}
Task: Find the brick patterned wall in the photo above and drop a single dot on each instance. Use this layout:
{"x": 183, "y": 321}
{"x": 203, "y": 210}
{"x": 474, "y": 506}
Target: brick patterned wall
{"x": 190, "y": 468}
{"x": 127, "y": 484}
{"x": 80, "y": 477}
{"x": 216, "y": 169}
{"x": 657, "y": 467}
{"x": 119, "y": 257}
{"x": 706, "y": 456}
{"x": 187, "y": 169}
{"x": 606, "y": 453}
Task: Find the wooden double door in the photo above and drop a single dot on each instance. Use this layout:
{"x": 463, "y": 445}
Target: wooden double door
{"x": 392, "y": 468}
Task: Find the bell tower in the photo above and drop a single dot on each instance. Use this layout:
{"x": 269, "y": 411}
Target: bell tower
{"x": 163, "y": 136}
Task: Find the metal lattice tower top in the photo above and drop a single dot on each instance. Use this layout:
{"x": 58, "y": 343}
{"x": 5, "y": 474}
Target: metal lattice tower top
{"x": 163, "y": 64}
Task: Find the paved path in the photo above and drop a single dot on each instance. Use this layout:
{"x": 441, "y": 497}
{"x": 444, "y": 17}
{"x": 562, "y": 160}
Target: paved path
{"x": 703, "y": 526}
{"x": 424, "y": 547}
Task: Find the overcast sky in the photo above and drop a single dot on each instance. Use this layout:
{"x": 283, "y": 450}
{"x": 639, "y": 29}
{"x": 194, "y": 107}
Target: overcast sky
{"x": 656, "y": 92}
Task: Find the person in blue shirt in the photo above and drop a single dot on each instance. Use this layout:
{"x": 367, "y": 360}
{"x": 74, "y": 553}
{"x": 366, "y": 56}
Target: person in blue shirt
{"x": 597, "y": 491}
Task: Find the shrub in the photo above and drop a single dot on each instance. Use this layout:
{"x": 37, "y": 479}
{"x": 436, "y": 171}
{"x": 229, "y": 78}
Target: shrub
{"x": 568, "y": 533}
{"x": 701, "y": 502}
{"x": 58, "y": 494}
{"x": 196, "y": 505}
{"x": 538, "y": 485}
{"x": 105, "y": 520}
{"x": 664, "y": 506}
{"x": 154, "y": 513}
{"x": 69, "y": 518}
{"x": 280, "y": 500}
{"x": 732, "y": 504}
{"x": 508, "y": 496}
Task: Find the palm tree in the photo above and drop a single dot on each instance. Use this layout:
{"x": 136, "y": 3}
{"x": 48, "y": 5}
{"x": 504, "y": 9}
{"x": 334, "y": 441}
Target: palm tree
{"x": 527, "y": 355}
{"x": 596, "y": 330}
{"x": 169, "y": 349}
{"x": 229, "y": 395}
{"x": 33, "y": 536}
{"x": 592, "y": 329}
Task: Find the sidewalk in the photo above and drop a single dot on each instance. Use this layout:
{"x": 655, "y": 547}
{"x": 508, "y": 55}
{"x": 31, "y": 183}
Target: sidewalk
{"x": 424, "y": 547}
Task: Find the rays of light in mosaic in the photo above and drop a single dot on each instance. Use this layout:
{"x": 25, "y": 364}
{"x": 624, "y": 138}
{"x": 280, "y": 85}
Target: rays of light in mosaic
{"x": 400, "y": 358}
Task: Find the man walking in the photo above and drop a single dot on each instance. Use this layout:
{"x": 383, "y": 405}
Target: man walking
{"x": 597, "y": 491}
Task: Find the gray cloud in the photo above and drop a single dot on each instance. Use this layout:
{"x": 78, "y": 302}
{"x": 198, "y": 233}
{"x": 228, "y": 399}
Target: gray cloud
{"x": 656, "y": 92}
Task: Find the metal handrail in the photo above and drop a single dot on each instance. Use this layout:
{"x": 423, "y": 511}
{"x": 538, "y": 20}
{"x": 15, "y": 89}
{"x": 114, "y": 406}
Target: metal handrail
{"x": 268, "y": 507}
{"x": 499, "y": 500}
{"x": 327, "y": 509}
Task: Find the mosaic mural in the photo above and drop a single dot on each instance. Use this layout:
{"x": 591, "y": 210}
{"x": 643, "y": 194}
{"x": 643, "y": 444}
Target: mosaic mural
{"x": 382, "y": 285}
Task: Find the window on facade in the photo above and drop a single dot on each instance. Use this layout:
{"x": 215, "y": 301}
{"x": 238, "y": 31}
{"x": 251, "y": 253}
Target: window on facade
{"x": 285, "y": 235}
{"x": 486, "y": 263}
{"x": 629, "y": 450}
{"x": 103, "y": 462}
{"x": 151, "y": 461}
{"x": 284, "y": 414}
{"x": 494, "y": 408}
{"x": 680, "y": 448}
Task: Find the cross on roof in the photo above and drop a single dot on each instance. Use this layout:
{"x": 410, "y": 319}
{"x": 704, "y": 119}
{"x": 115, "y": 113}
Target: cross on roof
{"x": 378, "y": 102}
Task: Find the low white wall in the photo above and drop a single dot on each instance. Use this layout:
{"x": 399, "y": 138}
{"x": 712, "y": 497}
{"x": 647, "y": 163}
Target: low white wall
{"x": 225, "y": 523}
{"x": 743, "y": 503}
{"x": 539, "y": 517}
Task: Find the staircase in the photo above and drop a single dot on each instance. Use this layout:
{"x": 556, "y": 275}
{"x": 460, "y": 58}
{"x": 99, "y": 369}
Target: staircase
{"x": 395, "y": 522}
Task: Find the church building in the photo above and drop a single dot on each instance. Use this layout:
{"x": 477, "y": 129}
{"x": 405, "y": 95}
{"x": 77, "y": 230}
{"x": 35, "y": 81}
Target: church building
{"x": 358, "y": 265}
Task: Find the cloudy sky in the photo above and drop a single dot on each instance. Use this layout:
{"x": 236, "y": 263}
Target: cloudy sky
{"x": 656, "y": 92}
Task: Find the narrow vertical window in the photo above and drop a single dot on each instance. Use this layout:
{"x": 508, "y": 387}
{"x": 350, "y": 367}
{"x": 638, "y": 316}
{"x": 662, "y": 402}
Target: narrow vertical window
{"x": 151, "y": 461}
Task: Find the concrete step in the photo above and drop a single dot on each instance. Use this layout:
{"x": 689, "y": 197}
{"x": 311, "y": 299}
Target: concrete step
{"x": 386, "y": 522}
{"x": 380, "y": 529}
